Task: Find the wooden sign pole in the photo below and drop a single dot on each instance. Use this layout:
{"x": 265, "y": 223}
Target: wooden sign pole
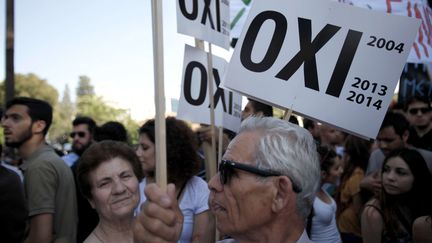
{"x": 158, "y": 67}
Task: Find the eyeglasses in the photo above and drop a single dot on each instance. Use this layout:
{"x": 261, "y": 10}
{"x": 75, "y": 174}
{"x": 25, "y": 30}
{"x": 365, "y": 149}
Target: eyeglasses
{"x": 80, "y": 134}
{"x": 226, "y": 171}
{"x": 423, "y": 110}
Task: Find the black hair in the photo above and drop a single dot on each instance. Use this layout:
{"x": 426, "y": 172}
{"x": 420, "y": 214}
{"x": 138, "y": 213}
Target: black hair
{"x": 267, "y": 110}
{"x": 91, "y": 124}
{"x": 38, "y": 110}
{"x": 397, "y": 121}
{"x": 111, "y": 130}
{"x": 417, "y": 98}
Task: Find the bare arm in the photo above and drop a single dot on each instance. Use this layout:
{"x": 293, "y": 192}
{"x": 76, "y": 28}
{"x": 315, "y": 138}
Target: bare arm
{"x": 422, "y": 229}
{"x": 372, "y": 225}
{"x": 204, "y": 228}
{"x": 41, "y": 229}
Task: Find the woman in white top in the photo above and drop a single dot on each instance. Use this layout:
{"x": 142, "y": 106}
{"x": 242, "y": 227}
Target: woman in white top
{"x": 182, "y": 164}
{"x": 322, "y": 221}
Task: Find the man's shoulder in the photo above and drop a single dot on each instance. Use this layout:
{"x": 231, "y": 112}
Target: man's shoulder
{"x": 47, "y": 157}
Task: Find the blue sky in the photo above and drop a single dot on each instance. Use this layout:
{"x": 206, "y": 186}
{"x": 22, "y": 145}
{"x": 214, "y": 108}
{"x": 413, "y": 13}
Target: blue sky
{"x": 109, "y": 41}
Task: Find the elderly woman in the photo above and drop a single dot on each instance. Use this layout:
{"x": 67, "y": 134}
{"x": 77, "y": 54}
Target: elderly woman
{"x": 108, "y": 175}
{"x": 183, "y": 164}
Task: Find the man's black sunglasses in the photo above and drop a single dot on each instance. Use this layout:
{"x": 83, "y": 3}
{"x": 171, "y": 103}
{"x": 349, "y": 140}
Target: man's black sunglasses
{"x": 423, "y": 110}
{"x": 226, "y": 169}
{"x": 80, "y": 134}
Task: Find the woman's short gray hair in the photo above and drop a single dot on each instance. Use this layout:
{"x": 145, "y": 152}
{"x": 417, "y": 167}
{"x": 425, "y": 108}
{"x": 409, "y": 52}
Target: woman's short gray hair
{"x": 288, "y": 149}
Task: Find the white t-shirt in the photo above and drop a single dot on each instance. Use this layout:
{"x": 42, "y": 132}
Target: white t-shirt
{"x": 324, "y": 228}
{"x": 194, "y": 201}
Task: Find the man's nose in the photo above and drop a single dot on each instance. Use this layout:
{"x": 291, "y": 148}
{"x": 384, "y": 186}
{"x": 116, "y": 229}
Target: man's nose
{"x": 215, "y": 183}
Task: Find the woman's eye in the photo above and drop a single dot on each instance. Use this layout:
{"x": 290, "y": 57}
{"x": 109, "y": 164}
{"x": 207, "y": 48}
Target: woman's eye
{"x": 103, "y": 184}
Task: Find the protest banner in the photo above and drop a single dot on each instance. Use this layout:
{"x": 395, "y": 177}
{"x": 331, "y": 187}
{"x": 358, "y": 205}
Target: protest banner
{"x": 194, "y": 103}
{"x": 422, "y": 47}
{"x": 325, "y": 60}
{"x": 160, "y": 138}
{"x": 414, "y": 81}
{"x": 204, "y": 19}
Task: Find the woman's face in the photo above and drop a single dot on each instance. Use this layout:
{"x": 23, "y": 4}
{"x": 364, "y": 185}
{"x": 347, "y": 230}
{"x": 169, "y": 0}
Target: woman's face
{"x": 115, "y": 190}
{"x": 146, "y": 154}
{"x": 397, "y": 177}
{"x": 334, "y": 173}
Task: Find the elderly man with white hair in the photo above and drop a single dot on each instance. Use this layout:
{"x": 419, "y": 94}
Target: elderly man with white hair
{"x": 263, "y": 191}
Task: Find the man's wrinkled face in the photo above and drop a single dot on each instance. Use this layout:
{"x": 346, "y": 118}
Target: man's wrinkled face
{"x": 244, "y": 203}
{"x": 81, "y": 138}
{"x": 419, "y": 114}
{"x": 17, "y": 125}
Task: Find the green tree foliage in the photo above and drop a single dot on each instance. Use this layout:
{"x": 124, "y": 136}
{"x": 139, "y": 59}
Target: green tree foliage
{"x": 30, "y": 85}
{"x": 89, "y": 104}
{"x": 63, "y": 115}
{"x": 84, "y": 87}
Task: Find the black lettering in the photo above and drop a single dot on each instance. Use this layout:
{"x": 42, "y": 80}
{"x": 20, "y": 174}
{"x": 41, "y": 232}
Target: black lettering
{"x": 276, "y": 42}
{"x": 194, "y": 14}
{"x": 230, "y": 102}
{"x": 218, "y": 17}
{"x": 219, "y": 92}
{"x": 188, "y": 84}
{"x": 307, "y": 52}
{"x": 207, "y": 13}
{"x": 343, "y": 63}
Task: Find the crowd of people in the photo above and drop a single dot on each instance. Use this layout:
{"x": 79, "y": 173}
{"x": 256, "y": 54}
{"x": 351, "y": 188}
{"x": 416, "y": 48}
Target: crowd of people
{"x": 277, "y": 181}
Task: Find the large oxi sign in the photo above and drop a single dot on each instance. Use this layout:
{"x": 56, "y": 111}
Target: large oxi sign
{"x": 326, "y": 60}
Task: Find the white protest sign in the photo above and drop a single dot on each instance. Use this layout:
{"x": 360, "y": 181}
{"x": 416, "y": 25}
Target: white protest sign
{"x": 421, "y": 50}
{"x": 326, "y": 60}
{"x": 194, "y": 103}
{"x": 239, "y": 10}
{"x": 205, "y": 19}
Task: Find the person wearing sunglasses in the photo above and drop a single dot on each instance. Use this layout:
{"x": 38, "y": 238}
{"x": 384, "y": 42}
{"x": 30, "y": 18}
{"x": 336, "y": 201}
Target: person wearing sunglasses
{"x": 82, "y": 137}
{"x": 419, "y": 113}
{"x": 393, "y": 135}
{"x": 83, "y": 128}
{"x": 263, "y": 192}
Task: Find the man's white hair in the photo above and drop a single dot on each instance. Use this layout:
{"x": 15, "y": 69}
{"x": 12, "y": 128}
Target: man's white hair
{"x": 290, "y": 150}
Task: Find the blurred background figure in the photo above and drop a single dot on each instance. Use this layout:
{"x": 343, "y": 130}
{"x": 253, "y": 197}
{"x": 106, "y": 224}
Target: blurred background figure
{"x": 13, "y": 209}
{"x": 314, "y": 128}
{"x": 183, "y": 164}
{"x": 256, "y": 108}
{"x": 350, "y": 201}
{"x": 322, "y": 220}
{"x": 333, "y": 138}
{"x": 112, "y": 130}
{"x": 83, "y": 132}
{"x": 419, "y": 114}
{"x": 108, "y": 175}
{"x": 406, "y": 195}
{"x": 82, "y": 135}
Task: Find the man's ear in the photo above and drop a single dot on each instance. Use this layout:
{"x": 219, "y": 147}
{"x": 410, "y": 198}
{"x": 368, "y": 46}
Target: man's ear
{"x": 38, "y": 126}
{"x": 284, "y": 193}
{"x": 259, "y": 114}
